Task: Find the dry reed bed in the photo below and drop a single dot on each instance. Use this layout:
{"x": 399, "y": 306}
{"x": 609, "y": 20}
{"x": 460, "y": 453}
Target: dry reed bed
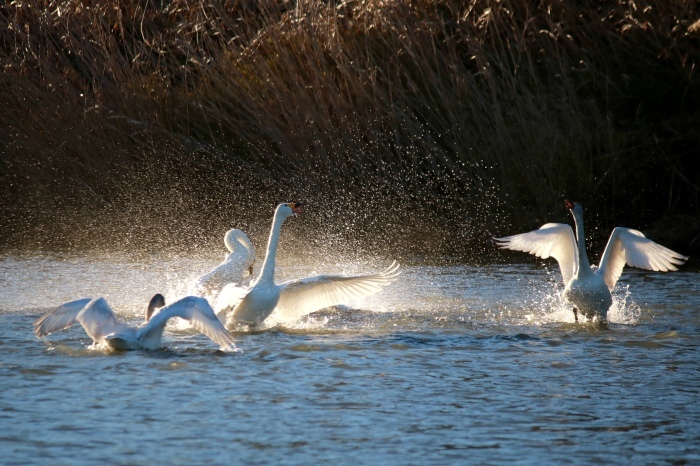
{"x": 458, "y": 117}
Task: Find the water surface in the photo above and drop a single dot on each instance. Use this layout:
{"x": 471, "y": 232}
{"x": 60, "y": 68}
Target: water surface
{"x": 450, "y": 364}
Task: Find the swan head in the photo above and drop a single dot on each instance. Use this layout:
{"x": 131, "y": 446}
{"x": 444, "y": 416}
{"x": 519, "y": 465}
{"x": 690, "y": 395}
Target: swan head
{"x": 288, "y": 209}
{"x": 574, "y": 207}
{"x": 157, "y": 301}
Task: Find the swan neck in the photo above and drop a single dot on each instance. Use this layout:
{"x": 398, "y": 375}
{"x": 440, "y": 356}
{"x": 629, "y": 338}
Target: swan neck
{"x": 155, "y": 302}
{"x": 268, "y": 269}
{"x": 583, "y": 263}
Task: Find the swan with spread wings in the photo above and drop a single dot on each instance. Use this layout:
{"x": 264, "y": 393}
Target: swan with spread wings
{"x": 296, "y": 298}
{"x": 588, "y": 288}
{"x": 108, "y": 333}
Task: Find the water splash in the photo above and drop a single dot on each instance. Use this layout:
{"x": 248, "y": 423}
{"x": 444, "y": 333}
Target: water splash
{"x": 554, "y": 308}
{"x": 624, "y": 309}
{"x": 424, "y": 298}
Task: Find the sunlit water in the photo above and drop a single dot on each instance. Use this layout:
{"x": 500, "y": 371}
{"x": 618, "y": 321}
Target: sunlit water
{"x": 448, "y": 365}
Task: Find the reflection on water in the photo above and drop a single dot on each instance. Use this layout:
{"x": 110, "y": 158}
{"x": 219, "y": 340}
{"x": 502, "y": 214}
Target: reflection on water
{"x": 448, "y": 364}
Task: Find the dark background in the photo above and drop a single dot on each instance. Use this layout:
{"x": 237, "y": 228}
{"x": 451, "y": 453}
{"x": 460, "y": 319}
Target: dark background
{"x": 418, "y": 128}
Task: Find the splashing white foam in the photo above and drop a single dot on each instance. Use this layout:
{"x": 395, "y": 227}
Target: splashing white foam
{"x": 624, "y": 310}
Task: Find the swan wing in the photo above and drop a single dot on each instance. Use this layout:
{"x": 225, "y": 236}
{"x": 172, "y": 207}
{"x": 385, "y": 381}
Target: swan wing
{"x": 551, "y": 240}
{"x": 222, "y": 273}
{"x": 301, "y": 297}
{"x": 60, "y": 318}
{"x": 631, "y": 247}
{"x": 230, "y": 296}
{"x": 198, "y": 313}
{"x": 98, "y": 320}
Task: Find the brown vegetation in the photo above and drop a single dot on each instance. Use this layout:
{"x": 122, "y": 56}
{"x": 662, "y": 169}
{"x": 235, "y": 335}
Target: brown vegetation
{"x": 443, "y": 119}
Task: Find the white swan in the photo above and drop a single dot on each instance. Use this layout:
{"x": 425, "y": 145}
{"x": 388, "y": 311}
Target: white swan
{"x": 296, "y": 298}
{"x": 107, "y": 332}
{"x": 237, "y": 265}
{"x": 588, "y": 288}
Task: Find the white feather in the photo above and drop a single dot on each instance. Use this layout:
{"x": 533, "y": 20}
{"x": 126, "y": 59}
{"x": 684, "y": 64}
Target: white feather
{"x": 301, "y": 297}
{"x": 631, "y": 247}
{"x": 551, "y": 240}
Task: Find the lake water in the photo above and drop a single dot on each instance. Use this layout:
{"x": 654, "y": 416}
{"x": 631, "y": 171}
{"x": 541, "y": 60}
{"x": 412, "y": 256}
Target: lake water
{"x": 451, "y": 364}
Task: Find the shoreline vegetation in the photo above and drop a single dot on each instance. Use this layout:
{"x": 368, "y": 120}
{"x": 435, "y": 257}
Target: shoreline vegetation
{"x": 416, "y": 127}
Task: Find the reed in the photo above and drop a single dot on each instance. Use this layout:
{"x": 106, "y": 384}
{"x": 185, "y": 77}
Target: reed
{"x": 441, "y": 119}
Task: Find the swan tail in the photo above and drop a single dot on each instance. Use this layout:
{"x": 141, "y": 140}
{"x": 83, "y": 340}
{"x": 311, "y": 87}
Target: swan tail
{"x": 116, "y": 343}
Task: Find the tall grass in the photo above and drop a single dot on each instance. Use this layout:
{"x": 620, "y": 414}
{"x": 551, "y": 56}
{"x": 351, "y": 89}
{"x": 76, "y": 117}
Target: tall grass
{"x": 424, "y": 119}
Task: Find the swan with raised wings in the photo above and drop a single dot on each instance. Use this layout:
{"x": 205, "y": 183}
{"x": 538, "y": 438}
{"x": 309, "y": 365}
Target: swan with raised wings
{"x": 236, "y": 267}
{"x": 586, "y": 287}
{"x": 108, "y": 333}
{"x": 296, "y": 298}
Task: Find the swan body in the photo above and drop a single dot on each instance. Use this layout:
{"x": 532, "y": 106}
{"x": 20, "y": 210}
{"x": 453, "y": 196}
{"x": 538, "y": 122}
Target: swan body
{"x": 588, "y": 288}
{"x": 293, "y": 299}
{"x": 589, "y": 294}
{"x": 237, "y": 265}
{"x": 108, "y": 333}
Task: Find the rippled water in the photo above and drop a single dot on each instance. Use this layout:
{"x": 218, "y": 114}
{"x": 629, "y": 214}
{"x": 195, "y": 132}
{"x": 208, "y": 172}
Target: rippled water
{"x": 450, "y": 364}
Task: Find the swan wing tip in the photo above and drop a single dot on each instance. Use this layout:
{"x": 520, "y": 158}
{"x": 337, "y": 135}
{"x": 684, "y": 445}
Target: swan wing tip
{"x": 508, "y": 242}
{"x": 39, "y": 332}
{"x": 39, "y": 327}
{"x": 229, "y": 346}
{"x": 59, "y": 318}
{"x": 392, "y": 271}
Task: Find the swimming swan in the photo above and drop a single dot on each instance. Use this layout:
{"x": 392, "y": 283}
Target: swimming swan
{"x": 296, "y": 298}
{"x": 107, "y": 332}
{"x": 237, "y": 265}
{"x": 587, "y": 288}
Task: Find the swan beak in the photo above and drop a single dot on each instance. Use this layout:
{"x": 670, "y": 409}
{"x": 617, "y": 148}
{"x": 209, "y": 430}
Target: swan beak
{"x": 569, "y": 204}
{"x": 297, "y": 208}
